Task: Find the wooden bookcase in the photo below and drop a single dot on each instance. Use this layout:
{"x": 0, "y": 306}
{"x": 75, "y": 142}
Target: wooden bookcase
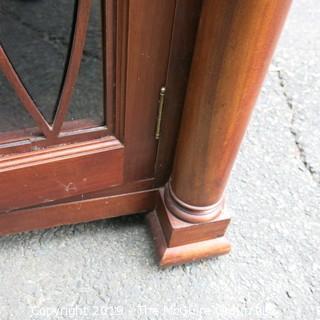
{"x": 180, "y": 81}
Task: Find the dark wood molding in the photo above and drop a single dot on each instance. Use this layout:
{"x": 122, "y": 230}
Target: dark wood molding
{"x": 76, "y": 212}
{"x": 149, "y": 41}
{"x": 61, "y": 172}
{"x": 78, "y": 43}
{"x": 185, "y": 253}
{"x": 187, "y": 14}
{"x": 191, "y": 213}
{"x": 180, "y": 242}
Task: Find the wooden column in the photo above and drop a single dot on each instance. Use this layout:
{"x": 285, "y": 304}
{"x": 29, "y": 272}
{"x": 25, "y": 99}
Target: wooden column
{"x": 233, "y": 49}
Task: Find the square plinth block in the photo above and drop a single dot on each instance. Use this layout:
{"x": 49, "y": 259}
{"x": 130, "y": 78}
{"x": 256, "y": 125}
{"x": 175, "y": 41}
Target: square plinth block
{"x": 179, "y": 242}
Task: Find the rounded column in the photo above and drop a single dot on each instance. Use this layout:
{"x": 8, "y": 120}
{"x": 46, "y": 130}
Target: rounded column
{"x": 234, "y": 45}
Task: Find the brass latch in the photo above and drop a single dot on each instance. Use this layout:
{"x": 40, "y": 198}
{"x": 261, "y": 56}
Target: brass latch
{"x": 160, "y": 110}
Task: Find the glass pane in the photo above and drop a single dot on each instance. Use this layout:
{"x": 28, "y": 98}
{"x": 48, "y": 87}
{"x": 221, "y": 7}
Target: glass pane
{"x": 13, "y": 116}
{"x": 36, "y": 36}
{"x": 88, "y": 101}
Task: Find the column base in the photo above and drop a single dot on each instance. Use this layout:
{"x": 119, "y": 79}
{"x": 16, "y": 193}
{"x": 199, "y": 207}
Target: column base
{"x": 179, "y": 242}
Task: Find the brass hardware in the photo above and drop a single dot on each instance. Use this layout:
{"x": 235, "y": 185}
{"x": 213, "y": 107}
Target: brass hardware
{"x": 160, "y": 110}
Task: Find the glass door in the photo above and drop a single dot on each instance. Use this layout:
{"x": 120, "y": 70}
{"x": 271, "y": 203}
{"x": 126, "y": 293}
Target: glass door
{"x": 79, "y": 92}
{"x": 56, "y": 79}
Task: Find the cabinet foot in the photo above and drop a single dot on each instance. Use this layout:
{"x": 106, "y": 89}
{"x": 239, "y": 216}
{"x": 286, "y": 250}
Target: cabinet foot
{"x": 179, "y": 242}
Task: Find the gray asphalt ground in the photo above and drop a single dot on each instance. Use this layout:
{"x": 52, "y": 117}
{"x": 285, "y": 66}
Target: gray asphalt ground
{"x": 107, "y": 269}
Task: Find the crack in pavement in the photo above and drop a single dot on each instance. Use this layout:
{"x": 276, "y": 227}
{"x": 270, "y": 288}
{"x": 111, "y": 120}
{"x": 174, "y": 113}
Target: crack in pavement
{"x": 58, "y": 43}
{"x": 302, "y": 153}
{"x": 55, "y": 42}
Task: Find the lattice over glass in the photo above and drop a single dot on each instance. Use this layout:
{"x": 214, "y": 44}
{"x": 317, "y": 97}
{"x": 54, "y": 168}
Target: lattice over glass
{"x": 52, "y": 66}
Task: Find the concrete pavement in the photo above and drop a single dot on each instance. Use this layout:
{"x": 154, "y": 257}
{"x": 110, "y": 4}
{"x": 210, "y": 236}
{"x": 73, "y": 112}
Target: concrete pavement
{"x": 107, "y": 270}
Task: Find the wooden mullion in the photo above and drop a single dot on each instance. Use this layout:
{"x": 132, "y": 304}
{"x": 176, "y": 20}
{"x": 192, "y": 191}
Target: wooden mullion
{"x": 78, "y": 43}
{"x": 7, "y": 68}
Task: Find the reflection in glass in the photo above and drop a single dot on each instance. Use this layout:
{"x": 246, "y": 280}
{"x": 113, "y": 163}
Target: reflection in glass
{"x": 87, "y": 101}
{"x": 36, "y": 35}
{"x": 13, "y": 116}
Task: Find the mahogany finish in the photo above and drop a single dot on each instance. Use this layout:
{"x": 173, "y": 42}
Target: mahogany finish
{"x": 136, "y": 67}
{"x": 169, "y": 256}
{"x": 76, "y": 212}
{"x": 178, "y": 233}
{"x": 46, "y": 175}
{"x": 83, "y": 15}
{"x": 211, "y": 56}
{"x": 184, "y": 32}
{"x": 149, "y": 36}
{"x": 234, "y": 45}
